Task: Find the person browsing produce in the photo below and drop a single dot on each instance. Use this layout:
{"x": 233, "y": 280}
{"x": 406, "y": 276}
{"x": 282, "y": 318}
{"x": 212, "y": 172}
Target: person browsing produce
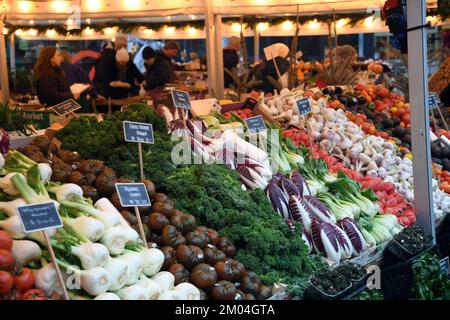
{"x": 162, "y": 70}
{"x": 52, "y": 86}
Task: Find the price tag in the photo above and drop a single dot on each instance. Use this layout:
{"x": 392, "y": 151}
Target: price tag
{"x": 138, "y": 132}
{"x": 433, "y": 100}
{"x": 445, "y": 266}
{"x": 39, "y": 217}
{"x": 271, "y": 52}
{"x": 133, "y": 194}
{"x": 304, "y": 107}
{"x": 181, "y": 99}
{"x": 66, "y": 107}
{"x": 256, "y": 124}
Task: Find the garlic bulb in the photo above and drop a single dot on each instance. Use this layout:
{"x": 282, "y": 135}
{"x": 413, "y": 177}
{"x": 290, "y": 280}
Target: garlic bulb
{"x": 134, "y": 292}
{"x": 118, "y": 273}
{"x": 115, "y": 240}
{"x": 153, "y": 260}
{"x": 90, "y": 227}
{"x": 14, "y": 227}
{"x": 107, "y": 296}
{"x": 91, "y": 255}
{"x": 134, "y": 262}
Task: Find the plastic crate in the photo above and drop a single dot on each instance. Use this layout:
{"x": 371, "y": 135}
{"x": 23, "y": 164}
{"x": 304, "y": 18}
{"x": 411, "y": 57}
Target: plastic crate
{"x": 443, "y": 243}
{"x": 314, "y": 293}
{"x": 401, "y": 252}
{"x": 397, "y": 280}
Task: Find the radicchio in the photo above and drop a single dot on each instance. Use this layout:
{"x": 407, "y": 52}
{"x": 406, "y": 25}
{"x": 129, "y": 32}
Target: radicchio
{"x": 344, "y": 242}
{"x": 300, "y": 182}
{"x": 354, "y": 234}
{"x": 278, "y": 199}
{"x": 4, "y": 141}
{"x": 301, "y": 211}
{"x": 307, "y": 237}
{"x": 320, "y": 210}
{"x": 289, "y": 188}
{"x": 325, "y": 240}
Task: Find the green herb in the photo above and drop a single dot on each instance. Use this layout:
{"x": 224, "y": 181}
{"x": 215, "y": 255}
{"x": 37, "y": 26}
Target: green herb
{"x": 429, "y": 282}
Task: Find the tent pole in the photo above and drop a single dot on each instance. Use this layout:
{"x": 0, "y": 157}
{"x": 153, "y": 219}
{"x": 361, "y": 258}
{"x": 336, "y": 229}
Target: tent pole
{"x": 420, "y": 122}
{"x": 219, "y": 57}
{"x": 210, "y": 51}
{"x": 4, "y": 83}
{"x": 256, "y": 44}
{"x": 12, "y": 53}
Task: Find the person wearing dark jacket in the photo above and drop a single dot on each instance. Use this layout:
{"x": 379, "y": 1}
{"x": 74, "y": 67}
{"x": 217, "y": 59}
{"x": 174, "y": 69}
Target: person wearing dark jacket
{"x": 230, "y": 59}
{"x": 268, "y": 69}
{"x": 106, "y": 62}
{"x": 52, "y": 86}
{"x": 124, "y": 77}
{"x": 162, "y": 70}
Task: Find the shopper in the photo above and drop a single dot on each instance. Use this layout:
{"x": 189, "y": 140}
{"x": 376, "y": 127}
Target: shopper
{"x": 125, "y": 77}
{"x": 162, "y": 70}
{"x": 149, "y": 57}
{"x": 267, "y": 70}
{"x": 52, "y": 86}
{"x": 106, "y": 62}
{"x": 231, "y": 59}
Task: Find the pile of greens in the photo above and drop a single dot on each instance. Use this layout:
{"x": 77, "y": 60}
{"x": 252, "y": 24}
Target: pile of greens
{"x": 104, "y": 141}
{"x": 11, "y": 119}
{"x": 213, "y": 194}
{"x": 429, "y": 282}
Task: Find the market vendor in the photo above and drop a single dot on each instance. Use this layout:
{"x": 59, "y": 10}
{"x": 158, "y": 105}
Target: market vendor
{"x": 162, "y": 71}
{"x": 125, "y": 77}
{"x": 52, "y": 86}
{"x": 231, "y": 59}
{"x": 268, "y": 69}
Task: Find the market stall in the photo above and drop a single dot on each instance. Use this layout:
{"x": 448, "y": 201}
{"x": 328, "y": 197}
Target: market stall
{"x": 284, "y": 196}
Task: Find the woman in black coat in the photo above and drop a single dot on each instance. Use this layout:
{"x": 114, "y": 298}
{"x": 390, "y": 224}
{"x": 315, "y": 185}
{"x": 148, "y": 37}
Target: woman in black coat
{"x": 52, "y": 87}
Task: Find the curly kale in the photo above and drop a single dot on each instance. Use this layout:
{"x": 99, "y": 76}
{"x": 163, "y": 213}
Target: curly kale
{"x": 213, "y": 194}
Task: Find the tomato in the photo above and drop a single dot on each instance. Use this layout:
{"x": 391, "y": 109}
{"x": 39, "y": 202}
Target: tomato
{"x": 5, "y": 240}
{"x": 6, "y": 259}
{"x": 445, "y": 174}
{"x": 25, "y": 280}
{"x": 34, "y": 294}
{"x": 6, "y": 282}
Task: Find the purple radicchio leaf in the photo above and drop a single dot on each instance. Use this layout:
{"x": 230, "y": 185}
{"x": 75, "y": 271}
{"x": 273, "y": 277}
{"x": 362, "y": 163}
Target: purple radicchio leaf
{"x": 354, "y": 234}
{"x": 301, "y": 211}
{"x": 4, "y": 141}
{"x": 278, "y": 200}
{"x": 289, "y": 188}
{"x": 320, "y": 210}
{"x": 344, "y": 242}
{"x": 301, "y": 183}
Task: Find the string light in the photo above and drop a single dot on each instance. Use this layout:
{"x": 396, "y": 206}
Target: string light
{"x": 262, "y": 26}
{"x": 369, "y": 22}
{"x": 24, "y": 6}
{"x": 314, "y": 24}
{"x": 169, "y": 29}
{"x": 341, "y": 23}
{"x": 59, "y": 6}
{"x": 51, "y": 33}
{"x": 94, "y": 5}
{"x": 88, "y": 31}
{"x": 109, "y": 31}
{"x": 32, "y": 32}
{"x": 19, "y": 32}
{"x": 236, "y": 27}
{"x": 287, "y": 25}
{"x": 5, "y": 31}
{"x": 148, "y": 31}
{"x": 191, "y": 30}
{"x": 132, "y": 4}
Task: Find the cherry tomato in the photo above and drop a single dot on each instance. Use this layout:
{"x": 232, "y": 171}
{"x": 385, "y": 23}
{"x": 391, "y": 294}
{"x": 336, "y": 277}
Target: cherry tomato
{"x": 25, "y": 280}
{"x": 34, "y": 294}
{"x": 6, "y": 259}
{"x": 6, "y": 282}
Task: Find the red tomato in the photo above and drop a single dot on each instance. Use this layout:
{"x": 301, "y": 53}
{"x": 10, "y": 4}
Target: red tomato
{"x": 6, "y": 282}
{"x": 6, "y": 259}
{"x": 25, "y": 280}
{"x": 34, "y": 294}
{"x": 5, "y": 240}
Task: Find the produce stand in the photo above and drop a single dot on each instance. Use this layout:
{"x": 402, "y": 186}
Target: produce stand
{"x": 317, "y": 196}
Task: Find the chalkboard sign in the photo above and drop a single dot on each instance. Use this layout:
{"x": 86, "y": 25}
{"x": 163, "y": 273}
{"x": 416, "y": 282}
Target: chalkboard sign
{"x": 304, "y": 107}
{"x": 133, "y": 194}
{"x": 37, "y": 217}
{"x": 66, "y": 107}
{"x": 433, "y": 100}
{"x": 445, "y": 267}
{"x": 181, "y": 99}
{"x": 138, "y": 132}
{"x": 255, "y": 124}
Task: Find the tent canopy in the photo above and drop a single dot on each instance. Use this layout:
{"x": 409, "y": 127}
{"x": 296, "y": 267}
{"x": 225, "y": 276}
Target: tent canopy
{"x": 92, "y": 9}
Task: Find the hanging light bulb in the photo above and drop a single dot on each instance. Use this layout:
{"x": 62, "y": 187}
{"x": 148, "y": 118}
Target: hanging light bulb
{"x": 148, "y": 31}
{"x": 314, "y": 24}
{"x": 262, "y": 26}
{"x": 169, "y": 29}
{"x": 236, "y": 27}
{"x": 59, "y": 6}
{"x": 109, "y": 31}
{"x": 32, "y": 32}
{"x": 191, "y": 30}
{"x": 369, "y": 22}
{"x": 132, "y": 4}
{"x": 341, "y": 23}
{"x": 5, "y": 31}
{"x": 94, "y": 5}
{"x": 287, "y": 25}
{"x": 50, "y": 33}
{"x": 88, "y": 31}
{"x": 24, "y": 6}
